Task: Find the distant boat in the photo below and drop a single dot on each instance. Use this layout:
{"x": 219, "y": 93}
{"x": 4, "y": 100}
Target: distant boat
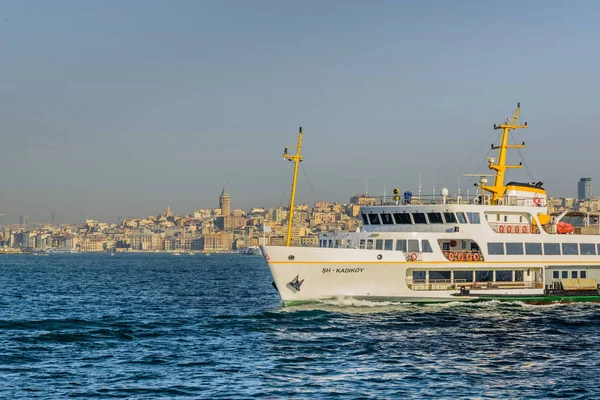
{"x": 176, "y": 254}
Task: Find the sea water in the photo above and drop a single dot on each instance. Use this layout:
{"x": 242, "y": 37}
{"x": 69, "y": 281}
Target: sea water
{"x": 158, "y": 326}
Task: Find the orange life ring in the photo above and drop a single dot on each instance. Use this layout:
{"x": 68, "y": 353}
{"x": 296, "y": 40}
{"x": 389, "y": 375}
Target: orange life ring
{"x": 532, "y": 229}
{"x": 517, "y": 228}
{"x": 524, "y": 229}
{"x": 413, "y": 257}
{"x": 501, "y": 229}
{"x": 459, "y": 256}
{"x": 451, "y": 256}
{"x": 476, "y": 257}
{"x": 469, "y": 257}
{"x": 509, "y": 229}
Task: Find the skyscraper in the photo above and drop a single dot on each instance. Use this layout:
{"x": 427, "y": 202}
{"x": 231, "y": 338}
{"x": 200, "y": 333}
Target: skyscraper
{"x": 23, "y": 221}
{"x": 585, "y": 189}
{"x": 225, "y": 202}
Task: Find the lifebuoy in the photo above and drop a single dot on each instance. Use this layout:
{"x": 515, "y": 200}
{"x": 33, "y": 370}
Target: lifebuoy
{"x": 537, "y": 201}
{"x": 532, "y": 229}
{"x": 451, "y": 256}
{"x": 517, "y": 228}
{"x": 459, "y": 256}
{"x": 524, "y": 229}
{"x": 453, "y": 243}
{"x": 413, "y": 257}
{"x": 475, "y": 257}
{"x": 469, "y": 257}
{"x": 509, "y": 229}
{"x": 501, "y": 229}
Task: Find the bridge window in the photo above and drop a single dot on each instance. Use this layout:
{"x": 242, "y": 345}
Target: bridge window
{"x": 551, "y": 249}
{"x": 369, "y": 244}
{"x": 419, "y": 218}
{"x": 504, "y": 276}
{"x": 496, "y": 248}
{"x": 389, "y": 244}
{"x": 483, "y": 276}
{"x": 514, "y": 248}
{"x": 379, "y": 244}
{"x": 402, "y": 218}
{"x": 365, "y": 219}
{"x": 426, "y": 246}
{"x": 435, "y": 218}
{"x": 473, "y": 217}
{"x": 401, "y": 245}
{"x": 362, "y": 244}
{"x": 461, "y": 217}
{"x": 413, "y": 246}
{"x": 374, "y": 219}
{"x": 533, "y": 248}
{"x": 569, "y": 249}
{"x": 587, "y": 249}
{"x": 463, "y": 276}
{"x": 387, "y": 219}
{"x": 450, "y": 218}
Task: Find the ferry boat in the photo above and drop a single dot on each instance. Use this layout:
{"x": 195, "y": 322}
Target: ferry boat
{"x": 501, "y": 245}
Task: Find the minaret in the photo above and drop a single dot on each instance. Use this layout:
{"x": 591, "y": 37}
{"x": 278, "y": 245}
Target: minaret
{"x": 225, "y": 202}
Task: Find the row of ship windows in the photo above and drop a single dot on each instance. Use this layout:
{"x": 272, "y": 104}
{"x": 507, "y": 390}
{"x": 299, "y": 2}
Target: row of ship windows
{"x": 565, "y": 274}
{"x": 549, "y": 249}
{"x": 467, "y": 276}
{"x": 406, "y": 245}
{"x": 417, "y": 218}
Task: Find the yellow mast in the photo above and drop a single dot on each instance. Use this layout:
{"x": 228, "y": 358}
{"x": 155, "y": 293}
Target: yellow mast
{"x": 296, "y": 158}
{"x": 500, "y": 166}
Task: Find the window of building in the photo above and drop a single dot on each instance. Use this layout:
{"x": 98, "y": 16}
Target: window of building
{"x": 365, "y": 219}
{"x": 450, "y": 218}
{"x": 369, "y": 244}
{"x": 435, "y": 218}
{"x": 569, "y": 249}
{"x": 413, "y": 246}
{"x": 379, "y": 244}
{"x": 473, "y": 217}
{"x": 386, "y": 219}
{"x": 419, "y": 218}
{"x": 533, "y": 248}
{"x": 555, "y": 274}
{"x": 439, "y": 275}
{"x": 426, "y": 246}
{"x": 496, "y": 248}
{"x": 418, "y": 276}
{"x": 551, "y": 249}
{"x": 483, "y": 276}
{"x": 564, "y": 274}
{"x": 362, "y": 244}
{"x": 504, "y": 276}
{"x": 462, "y": 219}
{"x": 514, "y": 248}
{"x": 463, "y": 276}
{"x": 374, "y": 219}
{"x": 389, "y": 244}
{"x": 518, "y": 276}
{"x": 573, "y": 274}
{"x": 583, "y": 274}
{"x": 587, "y": 249}
{"x": 401, "y": 245}
{"x": 402, "y": 218}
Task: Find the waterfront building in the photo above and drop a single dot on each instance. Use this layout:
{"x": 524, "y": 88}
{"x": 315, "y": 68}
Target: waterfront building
{"x": 585, "y": 189}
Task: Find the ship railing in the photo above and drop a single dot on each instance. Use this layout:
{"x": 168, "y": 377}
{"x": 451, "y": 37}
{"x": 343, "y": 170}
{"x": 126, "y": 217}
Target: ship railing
{"x": 454, "y": 199}
{"x": 463, "y": 255}
{"x": 460, "y": 284}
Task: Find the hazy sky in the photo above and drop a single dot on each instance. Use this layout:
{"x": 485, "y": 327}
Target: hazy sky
{"x": 120, "y": 108}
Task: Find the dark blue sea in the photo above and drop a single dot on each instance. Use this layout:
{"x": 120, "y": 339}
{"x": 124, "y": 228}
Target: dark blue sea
{"x": 154, "y": 326}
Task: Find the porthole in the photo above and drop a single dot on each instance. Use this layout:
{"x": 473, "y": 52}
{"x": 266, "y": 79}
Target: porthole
{"x": 379, "y": 256}
{"x": 290, "y": 257}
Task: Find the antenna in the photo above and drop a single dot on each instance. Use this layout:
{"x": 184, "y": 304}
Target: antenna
{"x": 419, "y": 185}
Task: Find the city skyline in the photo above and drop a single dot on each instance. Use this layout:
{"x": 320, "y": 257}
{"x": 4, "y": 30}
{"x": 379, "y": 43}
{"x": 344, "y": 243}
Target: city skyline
{"x": 118, "y": 109}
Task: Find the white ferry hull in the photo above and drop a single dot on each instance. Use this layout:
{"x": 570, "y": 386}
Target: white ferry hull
{"x": 303, "y": 274}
